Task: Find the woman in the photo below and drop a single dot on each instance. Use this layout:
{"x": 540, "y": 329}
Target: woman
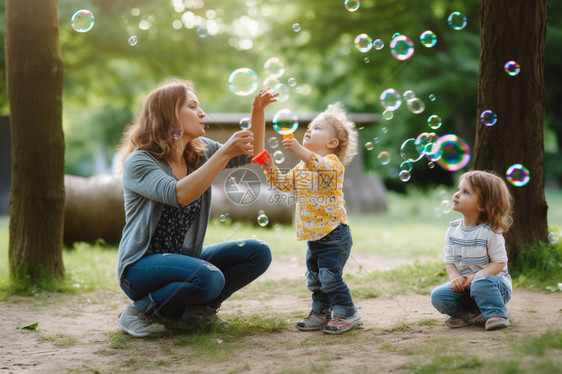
{"x": 168, "y": 169}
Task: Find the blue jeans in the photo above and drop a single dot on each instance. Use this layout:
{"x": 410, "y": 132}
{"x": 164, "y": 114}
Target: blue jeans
{"x": 166, "y": 283}
{"x": 325, "y": 260}
{"x": 488, "y": 294}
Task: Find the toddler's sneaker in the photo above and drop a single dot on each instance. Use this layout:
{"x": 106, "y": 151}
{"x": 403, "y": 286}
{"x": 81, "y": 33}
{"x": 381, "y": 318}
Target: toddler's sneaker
{"x": 134, "y": 322}
{"x": 314, "y": 321}
{"x": 470, "y": 318}
{"x": 495, "y": 323}
{"x": 340, "y": 324}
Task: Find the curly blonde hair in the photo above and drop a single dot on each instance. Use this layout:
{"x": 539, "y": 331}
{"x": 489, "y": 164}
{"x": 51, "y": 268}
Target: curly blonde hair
{"x": 494, "y": 197}
{"x": 150, "y": 131}
{"x": 344, "y": 131}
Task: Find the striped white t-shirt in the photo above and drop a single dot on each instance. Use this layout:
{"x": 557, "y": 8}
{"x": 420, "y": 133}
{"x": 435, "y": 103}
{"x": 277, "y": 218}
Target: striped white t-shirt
{"x": 471, "y": 249}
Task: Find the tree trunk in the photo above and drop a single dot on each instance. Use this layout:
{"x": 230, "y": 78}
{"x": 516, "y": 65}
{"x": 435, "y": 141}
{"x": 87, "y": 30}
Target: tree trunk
{"x": 34, "y": 70}
{"x": 514, "y": 31}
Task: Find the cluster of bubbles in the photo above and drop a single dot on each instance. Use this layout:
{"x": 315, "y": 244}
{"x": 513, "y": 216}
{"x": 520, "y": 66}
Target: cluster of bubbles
{"x": 82, "y": 20}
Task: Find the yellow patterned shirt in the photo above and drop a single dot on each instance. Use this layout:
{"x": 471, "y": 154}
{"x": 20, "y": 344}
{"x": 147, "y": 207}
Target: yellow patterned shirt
{"x": 318, "y": 187}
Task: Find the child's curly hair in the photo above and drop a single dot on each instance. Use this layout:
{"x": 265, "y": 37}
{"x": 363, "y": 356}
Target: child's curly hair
{"x": 344, "y": 131}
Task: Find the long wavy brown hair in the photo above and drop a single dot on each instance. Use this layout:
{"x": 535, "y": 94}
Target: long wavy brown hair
{"x": 494, "y": 197}
{"x": 150, "y": 131}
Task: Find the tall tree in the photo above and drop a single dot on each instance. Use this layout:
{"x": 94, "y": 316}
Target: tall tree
{"x": 514, "y": 31}
{"x": 34, "y": 70}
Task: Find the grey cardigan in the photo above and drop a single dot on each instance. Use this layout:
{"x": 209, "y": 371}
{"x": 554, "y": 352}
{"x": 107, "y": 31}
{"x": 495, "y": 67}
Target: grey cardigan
{"x": 149, "y": 185}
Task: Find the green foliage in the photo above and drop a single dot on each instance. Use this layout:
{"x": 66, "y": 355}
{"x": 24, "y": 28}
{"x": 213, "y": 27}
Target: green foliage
{"x": 539, "y": 266}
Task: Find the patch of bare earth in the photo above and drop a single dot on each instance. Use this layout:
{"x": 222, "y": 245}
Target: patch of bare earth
{"x": 78, "y": 333}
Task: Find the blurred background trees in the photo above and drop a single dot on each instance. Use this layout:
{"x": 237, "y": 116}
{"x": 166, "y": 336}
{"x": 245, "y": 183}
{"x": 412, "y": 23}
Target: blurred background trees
{"x": 106, "y": 78}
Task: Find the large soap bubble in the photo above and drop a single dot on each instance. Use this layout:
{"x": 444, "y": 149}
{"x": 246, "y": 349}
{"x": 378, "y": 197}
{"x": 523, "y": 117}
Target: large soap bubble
{"x": 455, "y": 152}
{"x": 518, "y": 175}
{"x": 243, "y": 81}
{"x": 82, "y": 20}
{"x": 390, "y": 99}
{"x": 401, "y": 47}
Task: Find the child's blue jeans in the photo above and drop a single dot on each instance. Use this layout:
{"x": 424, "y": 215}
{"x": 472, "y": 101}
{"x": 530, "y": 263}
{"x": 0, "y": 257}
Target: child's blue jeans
{"x": 167, "y": 283}
{"x": 488, "y": 294}
{"x": 325, "y": 260}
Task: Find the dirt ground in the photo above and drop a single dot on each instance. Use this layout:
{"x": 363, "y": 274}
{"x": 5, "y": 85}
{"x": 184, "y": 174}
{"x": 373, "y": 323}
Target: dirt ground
{"x": 77, "y": 333}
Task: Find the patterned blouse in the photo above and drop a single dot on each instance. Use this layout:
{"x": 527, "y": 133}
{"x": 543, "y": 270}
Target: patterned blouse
{"x": 172, "y": 227}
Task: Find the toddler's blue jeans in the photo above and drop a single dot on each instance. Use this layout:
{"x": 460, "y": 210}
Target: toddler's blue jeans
{"x": 325, "y": 260}
{"x": 167, "y": 283}
{"x": 488, "y": 294}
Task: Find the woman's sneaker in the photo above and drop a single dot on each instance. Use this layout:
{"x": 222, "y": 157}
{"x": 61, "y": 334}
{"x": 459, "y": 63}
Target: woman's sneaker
{"x": 314, "y": 321}
{"x": 134, "y": 322}
{"x": 340, "y": 324}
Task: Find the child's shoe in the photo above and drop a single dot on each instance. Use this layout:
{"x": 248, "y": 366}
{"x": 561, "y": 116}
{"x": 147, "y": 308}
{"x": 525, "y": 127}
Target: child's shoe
{"x": 340, "y": 324}
{"x": 495, "y": 323}
{"x": 471, "y": 318}
{"x": 314, "y": 321}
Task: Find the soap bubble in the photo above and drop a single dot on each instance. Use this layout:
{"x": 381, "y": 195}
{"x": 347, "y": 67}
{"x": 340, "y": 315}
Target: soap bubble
{"x": 369, "y": 146}
{"x": 446, "y": 206}
{"x": 408, "y": 95}
{"x": 292, "y": 82}
{"x": 363, "y": 43}
{"x": 428, "y": 39}
{"x": 406, "y": 165}
{"x": 274, "y": 67}
{"x": 133, "y": 40}
{"x": 518, "y": 175}
{"x": 283, "y": 92}
{"x": 401, "y": 47}
{"x": 455, "y": 152}
{"x": 384, "y": 158}
{"x": 553, "y": 238}
{"x": 294, "y": 262}
{"x": 278, "y": 157}
{"x": 404, "y": 175}
{"x": 415, "y": 105}
{"x": 409, "y": 150}
{"x": 223, "y": 217}
{"x": 245, "y": 123}
{"x": 296, "y": 27}
{"x": 351, "y": 5}
{"x": 434, "y": 122}
{"x": 489, "y": 118}
{"x": 285, "y": 121}
{"x": 243, "y": 81}
{"x": 263, "y": 220}
{"x": 390, "y": 99}
{"x": 273, "y": 142}
{"x": 457, "y": 20}
{"x": 512, "y": 68}
{"x": 388, "y": 115}
{"x": 202, "y": 32}
{"x": 431, "y": 97}
{"x": 82, "y": 20}
{"x": 378, "y": 44}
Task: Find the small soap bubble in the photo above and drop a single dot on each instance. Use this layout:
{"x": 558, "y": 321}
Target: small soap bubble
{"x": 243, "y": 81}
{"x": 384, "y": 158}
{"x": 390, "y": 99}
{"x": 292, "y": 82}
{"x": 376, "y": 140}
{"x": 512, "y": 68}
{"x": 428, "y": 39}
{"x": 408, "y": 95}
{"x": 223, "y": 217}
{"x": 294, "y": 262}
{"x": 384, "y": 130}
{"x": 273, "y": 142}
{"x": 283, "y": 92}
{"x": 457, "y": 20}
{"x": 431, "y": 97}
{"x": 446, "y": 206}
{"x": 404, "y": 175}
{"x": 369, "y": 146}
{"x": 296, "y": 27}
{"x": 133, "y": 40}
{"x": 431, "y": 164}
{"x": 245, "y": 123}
{"x": 388, "y": 115}
{"x": 434, "y": 122}
{"x": 363, "y": 43}
{"x": 351, "y": 5}
{"x": 553, "y": 238}
{"x": 401, "y": 47}
{"x": 278, "y": 157}
{"x": 518, "y": 175}
{"x": 489, "y": 118}
{"x": 366, "y": 60}
{"x": 378, "y": 44}
{"x": 453, "y": 152}
{"x": 274, "y": 67}
{"x": 415, "y": 105}
{"x": 202, "y": 32}
{"x": 82, "y": 20}
{"x": 409, "y": 150}
{"x": 263, "y": 220}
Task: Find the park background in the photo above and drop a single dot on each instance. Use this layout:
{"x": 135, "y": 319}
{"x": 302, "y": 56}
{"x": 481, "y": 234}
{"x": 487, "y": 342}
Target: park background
{"x": 106, "y": 78}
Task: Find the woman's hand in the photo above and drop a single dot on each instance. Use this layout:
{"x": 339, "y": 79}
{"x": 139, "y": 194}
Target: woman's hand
{"x": 264, "y": 98}
{"x": 241, "y": 142}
